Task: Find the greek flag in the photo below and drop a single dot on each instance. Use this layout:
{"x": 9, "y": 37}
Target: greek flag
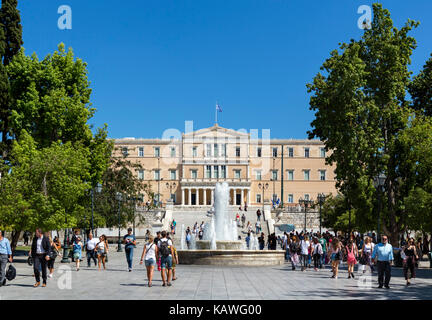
{"x": 218, "y": 108}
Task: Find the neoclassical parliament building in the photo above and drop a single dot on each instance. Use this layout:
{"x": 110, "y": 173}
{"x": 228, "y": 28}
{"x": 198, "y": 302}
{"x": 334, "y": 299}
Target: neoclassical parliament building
{"x": 187, "y": 169}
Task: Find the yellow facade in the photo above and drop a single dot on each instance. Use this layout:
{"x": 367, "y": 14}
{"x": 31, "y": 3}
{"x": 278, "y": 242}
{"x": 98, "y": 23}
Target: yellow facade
{"x": 190, "y": 167}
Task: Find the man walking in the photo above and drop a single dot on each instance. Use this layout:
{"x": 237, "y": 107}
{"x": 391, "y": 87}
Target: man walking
{"x": 5, "y": 256}
{"x": 40, "y": 251}
{"x": 258, "y": 214}
{"x": 130, "y": 241}
{"x": 165, "y": 251}
{"x": 90, "y": 249}
{"x": 383, "y": 254}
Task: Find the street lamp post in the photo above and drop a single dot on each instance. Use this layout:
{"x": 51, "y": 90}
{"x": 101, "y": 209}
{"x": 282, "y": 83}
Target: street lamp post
{"x": 306, "y": 203}
{"x": 171, "y": 186}
{"x": 98, "y": 190}
{"x": 119, "y": 199}
{"x": 379, "y": 183}
{"x": 263, "y": 187}
{"x": 65, "y": 258}
{"x": 321, "y": 199}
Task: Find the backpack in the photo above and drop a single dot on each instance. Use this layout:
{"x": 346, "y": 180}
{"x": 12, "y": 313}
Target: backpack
{"x": 164, "y": 249}
{"x": 11, "y": 272}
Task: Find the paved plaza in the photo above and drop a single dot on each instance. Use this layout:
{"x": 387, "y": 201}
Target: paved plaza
{"x": 209, "y": 283}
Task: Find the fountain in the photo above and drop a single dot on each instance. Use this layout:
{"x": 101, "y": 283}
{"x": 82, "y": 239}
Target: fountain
{"x": 220, "y": 244}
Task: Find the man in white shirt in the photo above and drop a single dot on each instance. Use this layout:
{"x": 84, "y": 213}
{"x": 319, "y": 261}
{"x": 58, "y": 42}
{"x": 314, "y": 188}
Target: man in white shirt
{"x": 90, "y": 249}
{"x": 165, "y": 251}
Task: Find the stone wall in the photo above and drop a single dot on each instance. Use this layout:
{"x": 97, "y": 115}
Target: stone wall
{"x": 297, "y": 219}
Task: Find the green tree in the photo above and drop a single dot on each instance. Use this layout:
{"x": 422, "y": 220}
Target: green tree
{"x": 43, "y": 187}
{"x": 361, "y": 113}
{"x": 421, "y": 89}
{"x": 10, "y": 44}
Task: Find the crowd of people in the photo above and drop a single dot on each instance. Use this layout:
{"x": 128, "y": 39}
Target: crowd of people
{"x": 157, "y": 251}
{"x": 356, "y": 249}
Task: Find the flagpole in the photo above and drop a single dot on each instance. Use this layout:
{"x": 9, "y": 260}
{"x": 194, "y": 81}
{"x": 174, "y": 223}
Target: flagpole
{"x": 216, "y": 111}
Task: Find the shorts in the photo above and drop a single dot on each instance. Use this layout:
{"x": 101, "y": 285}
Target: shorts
{"x": 101, "y": 254}
{"x": 166, "y": 262}
{"x": 77, "y": 255}
{"x": 150, "y": 262}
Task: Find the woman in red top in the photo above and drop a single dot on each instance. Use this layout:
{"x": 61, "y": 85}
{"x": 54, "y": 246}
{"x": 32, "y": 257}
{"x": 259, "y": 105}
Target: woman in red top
{"x": 352, "y": 252}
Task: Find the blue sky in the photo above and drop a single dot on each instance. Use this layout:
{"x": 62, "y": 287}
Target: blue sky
{"x": 155, "y": 63}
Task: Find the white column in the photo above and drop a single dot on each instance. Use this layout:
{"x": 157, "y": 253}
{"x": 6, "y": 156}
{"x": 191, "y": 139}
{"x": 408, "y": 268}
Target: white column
{"x": 212, "y": 197}
{"x": 183, "y": 196}
{"x": 248, "y": 197}
{"x": 205, "y": 196}
{"x": 242, "y": 197}
{"x": 190, "y": 196}
{"x": 197, "y": 196}
{"x": 234, "y": 196}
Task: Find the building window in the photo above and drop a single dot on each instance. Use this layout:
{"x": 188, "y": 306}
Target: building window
{"x": 208, "y": 150}
{"x": 125, "y": 151}
{"x": 141, "y": 174}
{"x": 290, "y": 198}
{"x": 208, "y": 172}
{"x": 291, "y": 175}
{"x": 223, "y": 150}
{"x": 194, "y": 174}
{"x": 194, "y": 152}
{"x": 237, "y": 174}
{"x": 274, "y": 175}
{"x": 173, "y": 197}
{"x": 306, "y": 174}
{"x": 322, "y": 175}
{"x": 141, "y": 152}
{"x": 322, "y": 152}
{"x": 173, "y": 175}
{"x": 306, "y": 197}
{"x": 215, "y": 172}
{"x": 258, "y": 198}
{"x": 216, "y": 150}
{"x": 258, "y": 175}
{"x": 291, "y": 152}
{"x": 157, "y": 174}
{"x": 259, "y": 152}
{"x": 306, "y": 152}
{"x": 173, "y": 152}
{"x": 157, "y": 152}
{"x": 237, "y": 151}
{"x": 275, "y": 152}
{"x": 223, "y": 172}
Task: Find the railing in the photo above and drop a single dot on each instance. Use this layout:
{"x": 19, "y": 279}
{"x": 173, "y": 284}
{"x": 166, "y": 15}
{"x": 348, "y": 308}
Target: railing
{"x": 216, "y": 180}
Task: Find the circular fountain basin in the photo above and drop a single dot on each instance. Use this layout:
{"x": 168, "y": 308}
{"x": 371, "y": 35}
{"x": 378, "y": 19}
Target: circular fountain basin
{"x": 220, "y": 245}
{"x": 227, "y": 257}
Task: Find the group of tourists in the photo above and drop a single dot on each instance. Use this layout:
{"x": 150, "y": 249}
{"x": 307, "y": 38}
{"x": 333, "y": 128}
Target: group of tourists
{"x": 302, "y": 249}
{"x": 157, "y": 250}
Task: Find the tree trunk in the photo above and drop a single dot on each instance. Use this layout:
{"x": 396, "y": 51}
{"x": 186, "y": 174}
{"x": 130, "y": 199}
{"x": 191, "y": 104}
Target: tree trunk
{"x": 15, "y": 238}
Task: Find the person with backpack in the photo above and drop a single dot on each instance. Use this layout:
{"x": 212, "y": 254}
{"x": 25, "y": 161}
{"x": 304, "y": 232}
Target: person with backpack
{"x": 149, "y": 254}
{"x": 261, "y": 241}
{"x": 5, "y": 256}
{"x": 166, "y": 254}
{"x": 130, "y": 241}
{"x": 317, "y": 252}
{"x": 352, "y": 252}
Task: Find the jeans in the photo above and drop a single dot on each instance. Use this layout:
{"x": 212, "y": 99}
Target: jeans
{"x": 287, "y": 254}
{"x": 91, "y": 255}
{"x": 39, "y": 261}
{"x": 323, "y": 256}
{"x": 384, "y": 268}
{"x": 129, "y": 257}
{"x": 304, "y": 258}
{"x": 309, "y": 259}
{"x": 166, "y": 262}
{"x": 261, "y": 246}
{"x": 317, "y": 260}
{"x": 3, "y": 262}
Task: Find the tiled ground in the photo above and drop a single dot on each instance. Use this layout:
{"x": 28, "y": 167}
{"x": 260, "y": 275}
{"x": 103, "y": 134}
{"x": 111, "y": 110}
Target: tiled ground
{"x": 206, "y": 282}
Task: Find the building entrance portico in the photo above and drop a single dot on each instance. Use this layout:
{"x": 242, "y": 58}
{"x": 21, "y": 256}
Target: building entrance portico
{"x": 204, "y": 195}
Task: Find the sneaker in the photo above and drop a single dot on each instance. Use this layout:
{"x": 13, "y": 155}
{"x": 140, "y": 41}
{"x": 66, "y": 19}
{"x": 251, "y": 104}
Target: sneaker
{"x": 349, "y": 276}
{"x": 387, "y": 287}
{"x": 50, "y": 275}
{"x": 335, "y": 277}
{"x": 37, "y": 284}
{"x": 164, "y": 284}
{"x": 169, "y": 284}
{"x": 43, "y": 285}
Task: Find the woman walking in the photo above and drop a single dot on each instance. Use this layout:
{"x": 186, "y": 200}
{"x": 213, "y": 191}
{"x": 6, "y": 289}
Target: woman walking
{"x": 102, "y": 251}
{"x": 304, "y": 245}
{"x": 55, "y": 246}
{"x": 77, "y": 251}
{"x": 352, "y": 252}
{"x": 366, "y": 255}
{"x": 149, "y": 254}
{"x": 335, "y": 254}
{"x": 409, "y": 255}
{"x": 317, "y": 252}
{"x": 294, "y": 249}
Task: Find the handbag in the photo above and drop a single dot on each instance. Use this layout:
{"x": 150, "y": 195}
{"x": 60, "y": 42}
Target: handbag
{"x": 363, "y": 260}
{"x": 11, "y": 272}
